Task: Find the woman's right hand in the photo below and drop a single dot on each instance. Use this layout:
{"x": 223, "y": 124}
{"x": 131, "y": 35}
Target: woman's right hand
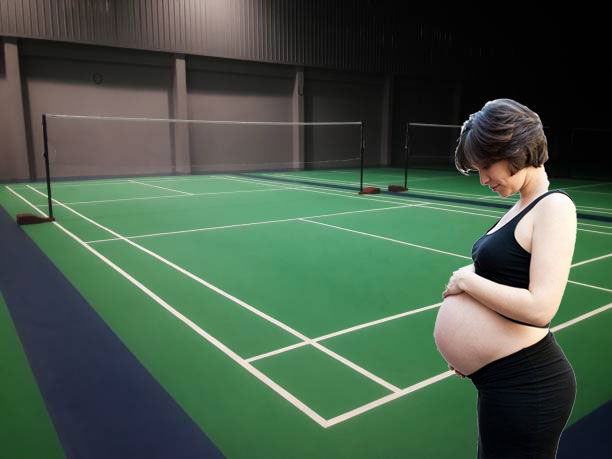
{"x": 450, "y": 367}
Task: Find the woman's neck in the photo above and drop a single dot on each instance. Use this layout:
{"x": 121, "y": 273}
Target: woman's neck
{"x": 536, "y": 183}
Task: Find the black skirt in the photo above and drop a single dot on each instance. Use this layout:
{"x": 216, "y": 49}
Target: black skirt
{"x": 524, "y": 402}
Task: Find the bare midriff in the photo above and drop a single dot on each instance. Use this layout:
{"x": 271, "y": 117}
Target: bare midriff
{"x": 469, "y": 335}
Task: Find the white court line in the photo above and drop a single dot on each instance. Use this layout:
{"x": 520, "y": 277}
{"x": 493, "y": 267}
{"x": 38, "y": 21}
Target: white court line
{"x": 160, "y": 187}
{"x": 239, "y": 302}
{"x": 102, "y": 201}
{"x": 593, "y": 192}
{"x": 304, "y": 188}
{"x": 346, "y": 194}
{"x": 212, "y": 193}
{"x": 428, "y": 382}
{"x": 513, "y": 200}
{"x": 376, "y": 322}
{"x": 281, "y": 350}
{"x": 317, "y": 179}
{"x": 385, "y": 238}
{"x": 591, "y": 260}
{"x": 586, "y": 186}
{"x": 425, "y": 205}
{"x": 438, "y": 192}
{"x": 365, "y": 180}
{"x": 377, "y": 177}
{"x": 600, "y": 210}
{"x": 581, "y": 318}
{"x": 590, "y": 286}
{"x": 389, "y": 398}
{"x": 379, "y": 321}
{"x": 451, "y": 194}
{"x": 596, "y": 226}
{"x": 393, "y": 200}
{"x": 211, "y": 339}
{"x": 118, "y": 181}
{"x": 418, "y": 179}
{"x": 425, "y": 248}
{"x": 596, "y": 232}
{"x": 510, "y": 199}
{"x": 238, "y": 225}
{"x": 459, "y": 211}
{"x": 343, "y": 332}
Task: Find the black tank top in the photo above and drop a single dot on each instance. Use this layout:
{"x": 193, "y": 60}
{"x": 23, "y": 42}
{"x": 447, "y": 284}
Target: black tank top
{"x": 500, "y": 258}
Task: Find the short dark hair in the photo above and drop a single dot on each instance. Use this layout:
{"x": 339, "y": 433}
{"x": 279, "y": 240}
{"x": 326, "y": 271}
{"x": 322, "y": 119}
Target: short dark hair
{"x": 503, "y": 129}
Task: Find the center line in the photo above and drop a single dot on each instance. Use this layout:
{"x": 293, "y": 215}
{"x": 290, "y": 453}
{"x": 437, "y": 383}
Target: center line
{"x": 160, "y": 187}
{"x": 385, "y": 238}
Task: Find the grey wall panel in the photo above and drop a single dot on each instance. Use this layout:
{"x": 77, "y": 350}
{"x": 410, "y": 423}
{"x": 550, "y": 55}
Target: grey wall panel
{"x": 71, "y": 20}
{"x": 70, "y": 51}
{"x": 99, "y": 148}
{"x": 13, "y": 141}
{"x": 7, "y": 160}
{"x": 336, "y": 34}
{"x": 244, "y": 97}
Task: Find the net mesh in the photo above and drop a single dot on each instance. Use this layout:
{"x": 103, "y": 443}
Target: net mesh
{"x": 97, "y": 146}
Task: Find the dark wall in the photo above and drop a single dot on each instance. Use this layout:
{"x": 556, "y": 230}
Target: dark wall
{"x": 425, "y": 101}
{"x": 339, "y": 97}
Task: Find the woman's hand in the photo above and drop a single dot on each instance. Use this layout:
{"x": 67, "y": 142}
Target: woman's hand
{"x": 454, "y": 283}
{"x": 450, "y": 367}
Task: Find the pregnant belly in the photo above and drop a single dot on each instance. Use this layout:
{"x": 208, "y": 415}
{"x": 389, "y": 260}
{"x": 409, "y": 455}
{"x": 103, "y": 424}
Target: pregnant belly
{"x": 469, "y": 335}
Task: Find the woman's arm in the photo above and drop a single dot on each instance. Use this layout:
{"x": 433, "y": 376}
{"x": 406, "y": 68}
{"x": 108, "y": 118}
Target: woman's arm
{"x": 552, "y": 248}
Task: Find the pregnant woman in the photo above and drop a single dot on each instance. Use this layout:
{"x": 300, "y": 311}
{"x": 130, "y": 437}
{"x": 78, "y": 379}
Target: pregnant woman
{"x": 493, "y": 324}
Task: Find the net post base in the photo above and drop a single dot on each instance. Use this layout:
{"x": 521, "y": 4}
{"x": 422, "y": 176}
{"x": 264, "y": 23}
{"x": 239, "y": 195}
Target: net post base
{"x": 397, "y": 188}
{"x": 370, "y": 190}
{"x": 29, "y": 219}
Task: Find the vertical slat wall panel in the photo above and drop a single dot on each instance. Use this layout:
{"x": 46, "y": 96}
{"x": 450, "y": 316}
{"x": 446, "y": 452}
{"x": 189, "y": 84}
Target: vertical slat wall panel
{"x": 344, "y": 34}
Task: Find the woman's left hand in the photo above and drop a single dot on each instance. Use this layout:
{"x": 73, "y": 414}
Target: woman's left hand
{"x": 454, "y": 283}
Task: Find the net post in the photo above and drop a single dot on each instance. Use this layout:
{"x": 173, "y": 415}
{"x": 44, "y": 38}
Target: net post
{"x": 31, "y": 219}
{"x": 404, "y": 187}
{"x": 367, "y": 189}
{"x": 47, "y": 171}
{"x": 361, "y": 154}
{"x": 406, "y": 154}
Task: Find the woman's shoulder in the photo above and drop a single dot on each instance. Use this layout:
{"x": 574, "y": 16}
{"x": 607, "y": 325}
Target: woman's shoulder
{"x": 557, "y": 205}
{"x": 558, "y": 199}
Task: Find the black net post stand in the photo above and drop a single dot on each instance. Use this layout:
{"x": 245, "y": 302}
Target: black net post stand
{"x": 406, "y": 155}
{"x": 47, "y": 171}
{"x": 367, "y": 189}
{"x": 400, "y": 188}
{"x": 30, "y": 219}
{"x": 361, "y": 151}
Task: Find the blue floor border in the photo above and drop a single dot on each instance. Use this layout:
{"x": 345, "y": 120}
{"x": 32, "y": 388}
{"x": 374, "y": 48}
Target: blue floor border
{"x": 589, "y": 438}
{"x": 102, "y": 401}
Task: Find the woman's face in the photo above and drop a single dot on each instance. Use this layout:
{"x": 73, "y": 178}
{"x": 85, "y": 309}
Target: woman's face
{"x": 497, "y": 177}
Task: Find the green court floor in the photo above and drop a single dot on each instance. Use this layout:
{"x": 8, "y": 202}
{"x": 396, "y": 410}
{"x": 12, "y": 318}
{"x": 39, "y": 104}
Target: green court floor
{"x": 290, "y": 319}
{"x": 24, "y": 415}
